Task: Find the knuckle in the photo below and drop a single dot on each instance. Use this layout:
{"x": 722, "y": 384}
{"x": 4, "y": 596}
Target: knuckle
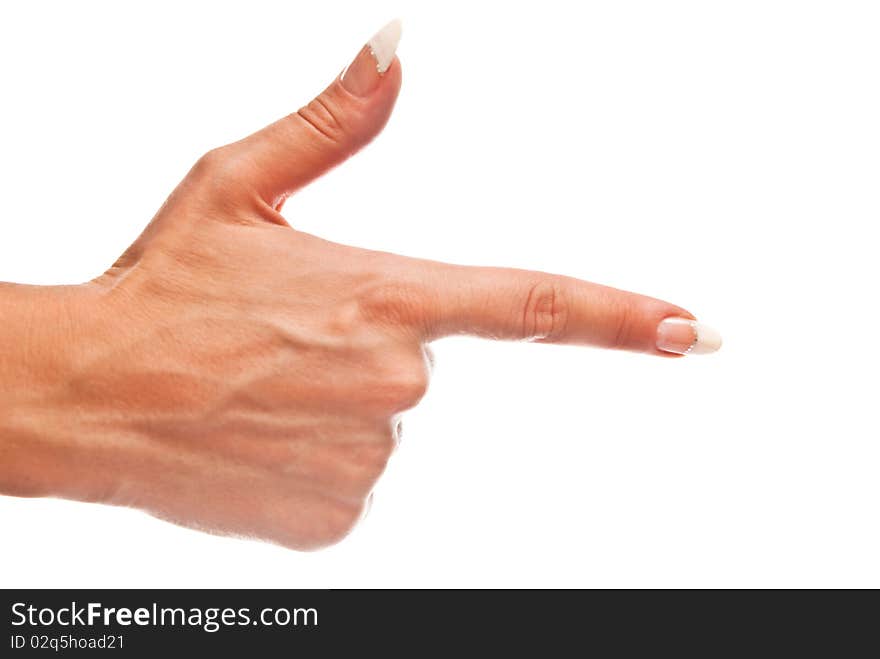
{"x": 396, "y": 388}
{"x": 373, "y": 457}
{"x": 212, "y": 162}
{"x": 216, "y": 169}
{"x": 390, "y": 302}
{"x": 544, "y": 311}
{"x": 335, "y": 525}
{"x": 409, "y": 386}
{"x": 326, "y": 118}
{"x": 622, "y": 326}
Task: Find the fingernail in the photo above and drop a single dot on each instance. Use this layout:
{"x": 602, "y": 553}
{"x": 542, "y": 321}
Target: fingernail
{"x": 363, "y": 75}
{"x": 684, "y": 336}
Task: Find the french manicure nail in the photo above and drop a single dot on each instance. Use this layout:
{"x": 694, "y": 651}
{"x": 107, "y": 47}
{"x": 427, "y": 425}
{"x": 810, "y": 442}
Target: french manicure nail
{"x": 684, "y": 336}
{"x": 363, "y": 75}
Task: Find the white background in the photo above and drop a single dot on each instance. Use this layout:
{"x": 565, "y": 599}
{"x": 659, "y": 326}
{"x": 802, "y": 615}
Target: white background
{"x": 722, "y": 155}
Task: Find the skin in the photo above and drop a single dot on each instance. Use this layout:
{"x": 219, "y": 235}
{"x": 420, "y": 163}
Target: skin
{"x": 235, "y": 375}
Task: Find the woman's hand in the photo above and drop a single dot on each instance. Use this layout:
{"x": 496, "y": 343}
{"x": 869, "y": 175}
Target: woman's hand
{"x": 235, "y": 375}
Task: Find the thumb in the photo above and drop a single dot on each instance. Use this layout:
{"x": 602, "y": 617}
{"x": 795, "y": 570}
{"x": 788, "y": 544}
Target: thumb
{"x": 289, "y": 153}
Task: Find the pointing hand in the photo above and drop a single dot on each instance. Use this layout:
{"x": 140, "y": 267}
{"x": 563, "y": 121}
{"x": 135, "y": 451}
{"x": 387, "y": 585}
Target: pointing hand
{"x": 234, "y": 374}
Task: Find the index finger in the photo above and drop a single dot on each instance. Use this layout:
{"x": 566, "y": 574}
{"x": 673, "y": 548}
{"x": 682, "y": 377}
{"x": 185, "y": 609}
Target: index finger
{"x": 505, "y": 303}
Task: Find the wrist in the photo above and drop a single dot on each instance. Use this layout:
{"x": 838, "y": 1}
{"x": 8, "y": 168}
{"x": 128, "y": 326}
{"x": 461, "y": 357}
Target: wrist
{"x": 45, "y": 449}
